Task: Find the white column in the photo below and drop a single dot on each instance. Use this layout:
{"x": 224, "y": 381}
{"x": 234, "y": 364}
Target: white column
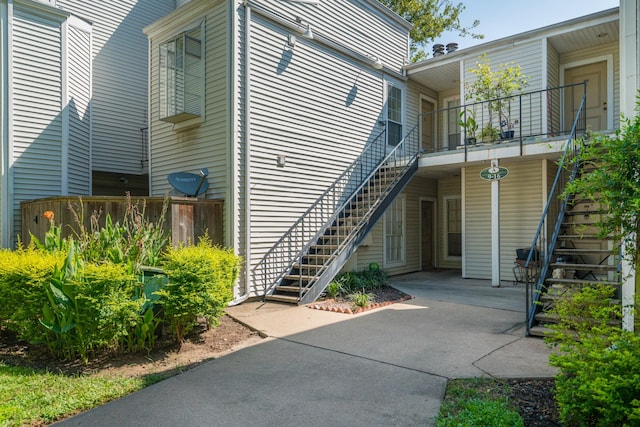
{"x": 495, "y": 229}
{"x": 629, "y": 85}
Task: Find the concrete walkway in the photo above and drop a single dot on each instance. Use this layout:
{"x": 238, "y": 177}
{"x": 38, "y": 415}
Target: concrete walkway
{"x": 385, "y": 367}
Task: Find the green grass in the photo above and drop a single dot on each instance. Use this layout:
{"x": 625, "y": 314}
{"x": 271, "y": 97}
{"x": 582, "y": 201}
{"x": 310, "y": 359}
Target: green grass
{"x": 477, "y": 402}
{"x": 29, "y": 396}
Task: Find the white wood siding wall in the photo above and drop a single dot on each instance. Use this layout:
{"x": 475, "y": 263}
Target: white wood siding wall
{"x": 357, "y": 24}
{"x": 206, "y": 144}
{"x": 119, "y": 99}
{"x": 597, "y": 52}
{"x": 78, "y": 111}
{"x": 315, "y": 106}
{"x": 477, "y": 232}
{"x": 521, "y": 206}
{"x": 447, "y": 187}
{"x": 36, "y": 81}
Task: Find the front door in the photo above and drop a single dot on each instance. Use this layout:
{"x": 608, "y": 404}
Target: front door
{"x": 596, "y": 77}
{"x": 426, "y": 238}
{"x": 427, "y": 124}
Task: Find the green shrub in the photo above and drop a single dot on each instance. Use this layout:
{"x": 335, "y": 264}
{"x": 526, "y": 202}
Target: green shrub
{"x": 334, "y": 289}
{"x": 23, "y": 276}
{"x": 599, "y": 363}
{"x": 200, "y": 284}
{"x": 365, "y": 280}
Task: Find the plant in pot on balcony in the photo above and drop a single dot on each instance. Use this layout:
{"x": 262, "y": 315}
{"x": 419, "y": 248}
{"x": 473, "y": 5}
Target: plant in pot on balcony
{"x": 468, "y": 123}
{"x": 489, "y": 133}
{"x": 493, "y": 89}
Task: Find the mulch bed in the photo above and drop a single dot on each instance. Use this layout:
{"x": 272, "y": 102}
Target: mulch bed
{"x": 383, "y": 296}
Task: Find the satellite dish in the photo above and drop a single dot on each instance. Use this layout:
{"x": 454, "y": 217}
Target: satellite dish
{"x": 189, "y": 184}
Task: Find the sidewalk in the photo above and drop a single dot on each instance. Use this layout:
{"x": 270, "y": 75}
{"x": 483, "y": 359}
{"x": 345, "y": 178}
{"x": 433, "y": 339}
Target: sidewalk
{"x": 384, "y": 367}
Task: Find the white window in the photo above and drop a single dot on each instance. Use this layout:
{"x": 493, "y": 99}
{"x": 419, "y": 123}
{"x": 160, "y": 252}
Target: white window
{"x": 394, "y": 114}
{"x": 394, "y": 233}
{"x": 453, "y": 226}
{"x": 181, "y": 80}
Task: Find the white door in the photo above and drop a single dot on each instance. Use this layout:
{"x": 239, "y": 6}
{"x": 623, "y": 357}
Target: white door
{"x": 596, "y": 77}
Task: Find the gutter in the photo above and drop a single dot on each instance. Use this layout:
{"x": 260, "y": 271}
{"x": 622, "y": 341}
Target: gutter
{"x": 247, "y": 156}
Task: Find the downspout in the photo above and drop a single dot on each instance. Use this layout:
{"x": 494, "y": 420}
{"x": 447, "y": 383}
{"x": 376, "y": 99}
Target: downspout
{"x": 4, "y": 123}
{"x": 247, "y": 156}
{"x": 149, "y": 133}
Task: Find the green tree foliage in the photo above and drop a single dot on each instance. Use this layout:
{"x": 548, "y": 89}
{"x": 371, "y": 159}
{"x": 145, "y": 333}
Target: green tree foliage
{"x": 430, "y": 18}
{"x": 615, "y": 182}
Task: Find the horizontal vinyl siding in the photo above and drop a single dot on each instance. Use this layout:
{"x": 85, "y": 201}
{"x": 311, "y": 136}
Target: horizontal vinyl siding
{"x": 119, "y": 102}
{"x": 313, "y": 107}
{"x": 599, "y": 51}
{"x": 521, "y": 206}
{"x": 37, "y": 121}
{"x": 447, "y": 187}
{"x": 205, "y": 145}
{"x": 477, "y": 233}
{"x": 79, "y": 92}
{"x": 353, "y": 24}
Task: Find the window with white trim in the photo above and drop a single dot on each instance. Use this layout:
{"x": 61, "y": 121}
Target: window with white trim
{"x": 453, "y": 226}
{"x": 394, "y": 233}
{"x": 181, "y": 79}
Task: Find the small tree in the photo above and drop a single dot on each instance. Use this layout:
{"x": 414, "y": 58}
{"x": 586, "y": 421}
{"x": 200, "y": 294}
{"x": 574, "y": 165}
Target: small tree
{"x": 494, "y": 86}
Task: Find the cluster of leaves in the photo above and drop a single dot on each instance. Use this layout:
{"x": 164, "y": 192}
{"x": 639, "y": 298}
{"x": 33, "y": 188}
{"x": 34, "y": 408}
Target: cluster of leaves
{"x": 430, "y": 18}
{"x": 92, "y": 292}
{"x": 356, "y": 286}
{"x": 599, "y": 363}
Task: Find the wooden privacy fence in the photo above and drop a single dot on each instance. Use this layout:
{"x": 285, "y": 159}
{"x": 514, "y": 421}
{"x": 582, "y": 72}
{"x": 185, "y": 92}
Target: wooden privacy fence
{"x": 186, "y": 218}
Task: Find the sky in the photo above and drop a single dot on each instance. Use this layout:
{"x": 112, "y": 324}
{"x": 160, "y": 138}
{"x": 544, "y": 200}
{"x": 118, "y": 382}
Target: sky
{"x": 500, "y": 19}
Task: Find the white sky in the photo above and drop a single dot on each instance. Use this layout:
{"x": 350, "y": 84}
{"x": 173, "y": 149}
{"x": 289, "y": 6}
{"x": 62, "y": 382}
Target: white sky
{"x": 503, "y": 18}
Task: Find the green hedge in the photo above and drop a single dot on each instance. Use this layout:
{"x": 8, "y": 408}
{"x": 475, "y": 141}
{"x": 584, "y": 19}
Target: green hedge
{"x": 200, "y": 284}
{"x": 88, "y": 294}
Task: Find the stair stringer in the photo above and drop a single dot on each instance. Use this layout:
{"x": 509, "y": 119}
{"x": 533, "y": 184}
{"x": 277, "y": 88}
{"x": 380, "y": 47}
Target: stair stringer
{"x": 313, "y": 292}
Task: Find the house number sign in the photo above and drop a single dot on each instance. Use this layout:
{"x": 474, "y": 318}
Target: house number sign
{"x": 494, "y": 173}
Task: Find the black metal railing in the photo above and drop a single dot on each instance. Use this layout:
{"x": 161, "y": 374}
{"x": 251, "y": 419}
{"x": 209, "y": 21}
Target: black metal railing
{"x": 541, "y": 249}
{"x": 330, "y": 206}
{"x": 519, "y": 119}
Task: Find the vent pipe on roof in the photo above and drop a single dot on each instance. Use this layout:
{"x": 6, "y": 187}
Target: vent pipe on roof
{"x": 438, "y": 49}
{"x": 452, "y": 47}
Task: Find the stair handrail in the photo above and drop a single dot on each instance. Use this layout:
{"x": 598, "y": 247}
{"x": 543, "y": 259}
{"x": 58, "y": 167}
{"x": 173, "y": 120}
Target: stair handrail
{"x": 374, "y": 148}
{"x": 364, "y": 166}
{"x": 407, "y": 161}
{"x": 572, "y": 150}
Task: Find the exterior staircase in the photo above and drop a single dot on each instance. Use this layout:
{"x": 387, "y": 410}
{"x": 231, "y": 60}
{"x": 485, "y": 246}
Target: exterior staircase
{"x": 575, "y": 256}
{"x": 307, "y": 257}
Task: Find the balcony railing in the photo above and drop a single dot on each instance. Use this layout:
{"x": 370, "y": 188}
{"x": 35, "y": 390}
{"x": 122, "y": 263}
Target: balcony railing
{"x": 522, "y": 118}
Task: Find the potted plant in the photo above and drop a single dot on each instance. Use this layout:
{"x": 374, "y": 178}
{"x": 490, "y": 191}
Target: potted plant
{"x": 489, "y": 133}
{"x": 468, "y": 123}
{"x": 493, "y": 90}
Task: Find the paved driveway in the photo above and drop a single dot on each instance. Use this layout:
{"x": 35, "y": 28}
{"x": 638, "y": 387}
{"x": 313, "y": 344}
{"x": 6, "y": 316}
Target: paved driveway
{"x": 386, "y": 367}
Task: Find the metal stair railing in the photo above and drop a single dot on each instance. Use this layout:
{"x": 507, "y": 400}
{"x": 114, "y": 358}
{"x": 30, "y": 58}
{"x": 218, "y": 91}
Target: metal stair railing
{"x": 540, "y": 253}
{"x": 376, "y": 198}
{"x": 324, "y": 212}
